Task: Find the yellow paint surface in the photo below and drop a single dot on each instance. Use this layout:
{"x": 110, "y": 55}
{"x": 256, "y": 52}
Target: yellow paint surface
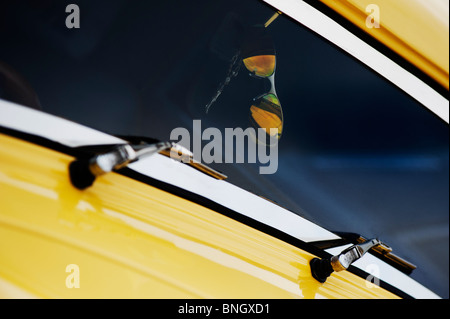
{"x": 125, "y": 239}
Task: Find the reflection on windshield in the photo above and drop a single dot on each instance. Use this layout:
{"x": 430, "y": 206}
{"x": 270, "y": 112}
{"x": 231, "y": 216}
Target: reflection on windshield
{"x": 258, "y": 56}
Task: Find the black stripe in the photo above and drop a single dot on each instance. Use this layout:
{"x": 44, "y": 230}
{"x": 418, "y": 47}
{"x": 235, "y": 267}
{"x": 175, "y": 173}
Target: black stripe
{"x": 41, "y": 141}
{"x": 195, "y": 198}
{"x": 361, "y": 273}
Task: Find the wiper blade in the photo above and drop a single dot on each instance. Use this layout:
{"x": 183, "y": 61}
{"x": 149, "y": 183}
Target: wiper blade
{"x": 384, "y": 252}
{"x": 176, "y": 152}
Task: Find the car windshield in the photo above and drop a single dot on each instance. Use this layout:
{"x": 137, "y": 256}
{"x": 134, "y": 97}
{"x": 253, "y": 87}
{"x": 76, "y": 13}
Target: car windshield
{"x": 353, "y": 154}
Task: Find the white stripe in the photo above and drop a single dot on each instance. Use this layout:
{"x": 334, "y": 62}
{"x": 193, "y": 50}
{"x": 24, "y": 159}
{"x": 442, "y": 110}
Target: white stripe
{"x": 25, "y": 119}
{"x": 228, "y": 195}
{"x": 331, "y": 30}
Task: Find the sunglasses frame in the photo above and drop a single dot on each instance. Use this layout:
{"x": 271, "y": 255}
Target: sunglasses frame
{"x": 272, "y": 91}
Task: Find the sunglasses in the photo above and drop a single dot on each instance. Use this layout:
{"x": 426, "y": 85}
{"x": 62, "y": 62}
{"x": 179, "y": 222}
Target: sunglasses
{"x": 258, "y": 56}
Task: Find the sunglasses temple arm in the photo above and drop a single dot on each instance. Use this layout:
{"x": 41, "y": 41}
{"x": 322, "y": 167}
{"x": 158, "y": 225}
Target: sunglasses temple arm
{"x": 272, "y": 18}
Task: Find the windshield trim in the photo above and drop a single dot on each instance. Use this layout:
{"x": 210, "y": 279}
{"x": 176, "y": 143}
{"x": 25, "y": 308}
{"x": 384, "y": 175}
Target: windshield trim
{"x": 351, "y": 44}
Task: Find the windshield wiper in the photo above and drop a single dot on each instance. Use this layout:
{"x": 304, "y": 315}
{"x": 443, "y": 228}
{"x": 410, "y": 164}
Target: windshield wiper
{"x": 322, "y": 268}
{"x": 84, "y": 171}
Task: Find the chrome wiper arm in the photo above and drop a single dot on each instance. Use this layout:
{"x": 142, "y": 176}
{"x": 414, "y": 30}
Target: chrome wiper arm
{"x": 382, "y": 251}
{"x": 83, "y": 172}
{"x": 352, "y": 254}
{"x": 321, "y": 269}
{"x": 123, "y": 155}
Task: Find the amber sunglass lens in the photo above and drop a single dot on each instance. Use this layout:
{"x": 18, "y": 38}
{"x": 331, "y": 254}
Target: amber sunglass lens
{"x": 266, "y": 113}
{"x": 261, "y": 65}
